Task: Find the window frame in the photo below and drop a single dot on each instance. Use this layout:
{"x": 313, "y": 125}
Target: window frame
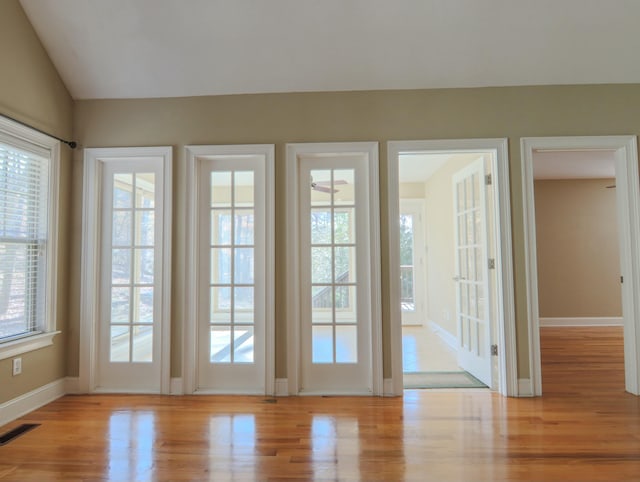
{"x": 27, "y": 139}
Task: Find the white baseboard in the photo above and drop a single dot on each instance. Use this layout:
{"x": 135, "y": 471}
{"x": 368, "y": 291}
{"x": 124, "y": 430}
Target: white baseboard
{"x": 72, "y": 385}
{"x": 175, "y": 386}
{"x": 583, "y": 321}
{"x": 30, "y": 401}
{"x": 282, "y": 387}
{"x": 525, "y": 387}
{"x": 387, "y": 388}
{"x": 450, "y": 340}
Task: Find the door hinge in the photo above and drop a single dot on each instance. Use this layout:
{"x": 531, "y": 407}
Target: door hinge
{"x": 488, "y": 180}
{"x": 492, "y": 263}
{"x": 621, "y": 279}
{"x": 494, "y": 350}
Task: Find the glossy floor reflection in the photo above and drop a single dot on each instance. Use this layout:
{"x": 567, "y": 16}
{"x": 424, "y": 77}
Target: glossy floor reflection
{"x": 132, "y": 438}
{"x": 425, "y": 436}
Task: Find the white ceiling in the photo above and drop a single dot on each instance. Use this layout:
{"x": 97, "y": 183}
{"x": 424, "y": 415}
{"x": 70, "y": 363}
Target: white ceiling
{"x": 420, "y": 166}
{"x": 166, "y": 48}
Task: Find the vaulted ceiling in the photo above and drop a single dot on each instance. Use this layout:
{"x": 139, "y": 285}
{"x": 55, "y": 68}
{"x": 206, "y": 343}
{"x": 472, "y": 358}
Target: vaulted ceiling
{"x": 171, "y": 48}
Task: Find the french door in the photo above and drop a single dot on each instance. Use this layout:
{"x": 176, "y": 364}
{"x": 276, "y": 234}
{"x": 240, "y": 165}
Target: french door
{"x": 471, "y": 264}
{"x": 130, "y": 327}
{"x": 336, "y": 278}
{"x": 232, "y": 272}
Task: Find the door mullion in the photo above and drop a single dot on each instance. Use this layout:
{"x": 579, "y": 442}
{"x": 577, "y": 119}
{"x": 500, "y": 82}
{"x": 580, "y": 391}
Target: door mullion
{"x": 132, "y": 260}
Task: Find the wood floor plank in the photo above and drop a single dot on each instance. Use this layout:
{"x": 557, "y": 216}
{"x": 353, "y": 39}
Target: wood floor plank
{"x": 585, "y": 428}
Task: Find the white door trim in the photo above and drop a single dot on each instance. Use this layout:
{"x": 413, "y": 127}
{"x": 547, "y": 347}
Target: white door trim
{"x": 293, "y": 263}
{"x": 628, "y": 212}
{"x": 507, "y": 383}
{"x": 190, "y": 293}
{"x": 94, "y": 160}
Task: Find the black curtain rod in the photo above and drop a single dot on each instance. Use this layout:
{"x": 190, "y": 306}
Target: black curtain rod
{"x": 71, "y": 144}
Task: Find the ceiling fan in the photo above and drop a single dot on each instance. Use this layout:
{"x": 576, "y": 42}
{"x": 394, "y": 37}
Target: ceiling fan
{"x": 325, "y": 186}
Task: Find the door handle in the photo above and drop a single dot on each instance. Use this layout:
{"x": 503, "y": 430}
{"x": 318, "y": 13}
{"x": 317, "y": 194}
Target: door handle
{"x": 458, "y": 278}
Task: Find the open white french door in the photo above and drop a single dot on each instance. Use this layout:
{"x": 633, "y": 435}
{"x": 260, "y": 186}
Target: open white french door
{"x": 471, "y": 264}
{"x": 337, "y": 275}
{"x": 130, "y": 328}
{"x": 233, "y": 321}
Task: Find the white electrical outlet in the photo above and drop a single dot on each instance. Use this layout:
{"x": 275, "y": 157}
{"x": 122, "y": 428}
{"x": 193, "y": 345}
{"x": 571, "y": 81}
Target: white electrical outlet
{"x": 17, "y": 366}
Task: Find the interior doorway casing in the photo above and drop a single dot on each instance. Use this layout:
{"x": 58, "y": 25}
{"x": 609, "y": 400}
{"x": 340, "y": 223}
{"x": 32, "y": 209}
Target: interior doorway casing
{"x": 628, "y": 213}
{"x": 95, "y": 162}
{"x": 196, "y": 155}
{"x": 507, "y": 383}
{"x": 294, "y": 154}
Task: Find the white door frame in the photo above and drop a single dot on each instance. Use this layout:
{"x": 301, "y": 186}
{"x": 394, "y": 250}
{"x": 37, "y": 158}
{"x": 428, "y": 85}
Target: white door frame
{"x": 507, "y": 383}
{"x": 94, "y": 160}
{"x": 293, "y": 256}
{"x": 189, "y": 361}
{"x": 628, "y": 212}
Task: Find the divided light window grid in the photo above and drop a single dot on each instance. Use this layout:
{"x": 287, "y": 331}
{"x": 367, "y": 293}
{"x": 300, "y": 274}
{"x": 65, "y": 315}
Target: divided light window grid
{"x": 334, "y": 314}
{"x": 24, "y": 181}
{"x": 232, "y": 284}
{"x": 133, "y": 267}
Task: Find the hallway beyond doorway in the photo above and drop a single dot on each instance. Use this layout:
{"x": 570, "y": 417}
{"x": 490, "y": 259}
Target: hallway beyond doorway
{"x": 430, "y": 362}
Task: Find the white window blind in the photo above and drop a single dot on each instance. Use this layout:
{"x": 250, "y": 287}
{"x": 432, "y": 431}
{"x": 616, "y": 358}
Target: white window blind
{"x": 24, "y": 182}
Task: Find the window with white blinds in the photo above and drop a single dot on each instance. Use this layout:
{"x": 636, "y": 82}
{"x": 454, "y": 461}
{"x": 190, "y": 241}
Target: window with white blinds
{"x": 23, "y": 241}
{"x": 28, "y": 232}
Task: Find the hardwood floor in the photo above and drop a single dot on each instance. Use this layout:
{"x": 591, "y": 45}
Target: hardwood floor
{"x": 577, "y": 432}
{"x": 582, "y": 360}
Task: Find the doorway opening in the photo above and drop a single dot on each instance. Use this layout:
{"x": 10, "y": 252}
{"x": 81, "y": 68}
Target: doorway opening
{"x": 581, "y": 203}
{"x": 450, "y": 263}
{"x": 579, "y": 295}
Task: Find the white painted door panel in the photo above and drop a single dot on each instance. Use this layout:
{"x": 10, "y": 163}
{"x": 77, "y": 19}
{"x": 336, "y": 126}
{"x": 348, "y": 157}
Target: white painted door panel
{"x": 130, "y": 327}
{"x": 231, "y": 320}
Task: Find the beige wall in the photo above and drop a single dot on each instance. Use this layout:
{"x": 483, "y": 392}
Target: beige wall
{"x": 31, "y": 91}
{"x": 511, "y": 112}
{"x": 577, "y": 248}
{"x": 411, "y": 190}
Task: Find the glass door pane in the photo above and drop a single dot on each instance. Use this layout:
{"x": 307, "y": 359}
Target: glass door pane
{"x": 407, "y": 297}
{"x": 132, "y": 267}
{"x": 333, "y": 266}
{"x": 232, "y": 266}
{"x": 335, "y": 273}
